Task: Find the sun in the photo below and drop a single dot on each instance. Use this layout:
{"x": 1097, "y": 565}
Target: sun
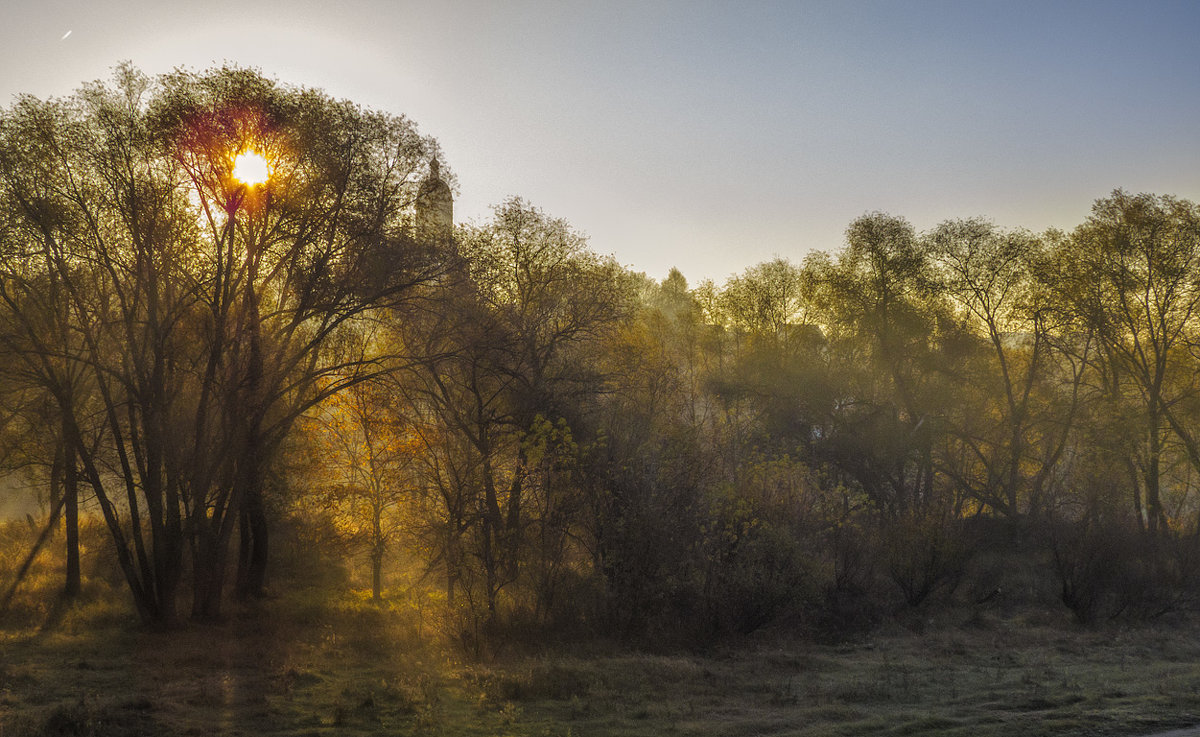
{"x": 251, "y": 168}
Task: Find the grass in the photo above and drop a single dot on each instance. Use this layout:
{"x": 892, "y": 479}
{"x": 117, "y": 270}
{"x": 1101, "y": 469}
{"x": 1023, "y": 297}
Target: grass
{"x": 311, "y": 663}
{"x": 297, "y": 666}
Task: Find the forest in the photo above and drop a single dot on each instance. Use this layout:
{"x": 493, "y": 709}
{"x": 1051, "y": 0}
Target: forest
{"x": 214, "y": 382}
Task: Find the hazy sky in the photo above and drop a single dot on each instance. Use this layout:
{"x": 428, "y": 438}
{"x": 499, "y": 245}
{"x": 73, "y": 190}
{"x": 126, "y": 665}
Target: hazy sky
{"x": 708, "y": 136}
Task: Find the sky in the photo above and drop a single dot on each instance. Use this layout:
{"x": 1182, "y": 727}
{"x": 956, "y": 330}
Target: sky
{"x": 708, "y": 136}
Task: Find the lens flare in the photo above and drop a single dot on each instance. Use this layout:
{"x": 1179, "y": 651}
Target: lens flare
{"x": 251, "y": 168}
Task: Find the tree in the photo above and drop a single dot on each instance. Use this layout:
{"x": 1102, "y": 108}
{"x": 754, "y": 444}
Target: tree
{"x": 882, "y": 323}
{"x": 370, "y": 449}
{"x": 771, "y": 382}
{"x": 511, "y": 346}
{"x": 1009, "y": 422}
{"x": 35, "y": 437}
{"x": 769, "y": 298}
{"x": 206, "y": 314}
{"x": 1137, "y": 284}
{"x": 658, "y": 450}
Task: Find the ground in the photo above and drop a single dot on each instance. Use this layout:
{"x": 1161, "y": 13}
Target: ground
{"x": 296, "y": 665}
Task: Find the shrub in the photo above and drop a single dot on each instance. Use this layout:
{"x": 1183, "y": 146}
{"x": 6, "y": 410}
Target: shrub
{"x": 1109, "y": 570}
{"x": 924, "y": 556}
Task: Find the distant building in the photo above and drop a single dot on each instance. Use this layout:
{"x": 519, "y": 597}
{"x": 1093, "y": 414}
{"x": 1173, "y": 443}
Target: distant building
{"x": 434, "y": 208}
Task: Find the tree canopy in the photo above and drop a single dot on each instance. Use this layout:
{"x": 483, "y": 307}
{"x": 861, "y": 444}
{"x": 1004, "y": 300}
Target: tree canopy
{"x": 527, "y": 435}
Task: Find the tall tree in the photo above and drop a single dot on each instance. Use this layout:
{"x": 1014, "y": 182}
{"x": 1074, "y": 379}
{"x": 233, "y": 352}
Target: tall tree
{"x": 1014, "y": 431}
{"x": 207, "y": 312}
{"x": 882, "y": 325}
{"x": 512, "y": 347}
{"x": 1137, "y": 260}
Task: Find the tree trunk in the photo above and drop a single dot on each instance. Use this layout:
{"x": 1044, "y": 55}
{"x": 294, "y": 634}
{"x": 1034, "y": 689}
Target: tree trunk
{"x": 1154, "y": 510}
{"x": 1136, "y": 485}
{"x": 377, "y": 573}
{"x": 377, "y": 550}
{"x": 72, "y": 584}
{"x": 254, "y": 552}
{"x": 208, "y": 578}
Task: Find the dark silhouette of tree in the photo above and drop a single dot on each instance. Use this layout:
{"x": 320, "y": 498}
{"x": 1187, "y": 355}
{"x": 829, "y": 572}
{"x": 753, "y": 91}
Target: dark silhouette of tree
{"x": 881, "y": 321}
{"x": 557, "y": 440}
{"x": 207, "y": 314}
{"x": 512, "y": 348}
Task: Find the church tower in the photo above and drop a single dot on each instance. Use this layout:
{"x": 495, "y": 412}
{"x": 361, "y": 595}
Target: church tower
{"x": 435, "y": 208}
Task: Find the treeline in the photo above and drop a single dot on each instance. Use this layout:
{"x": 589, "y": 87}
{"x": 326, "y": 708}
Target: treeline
{"x": 824, "y": 443}
{"x": 526, "y": 436}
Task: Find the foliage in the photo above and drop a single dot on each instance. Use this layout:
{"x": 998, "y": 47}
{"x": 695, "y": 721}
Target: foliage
{"x": 527, "y": 440}
{"x": 181, "y": 321}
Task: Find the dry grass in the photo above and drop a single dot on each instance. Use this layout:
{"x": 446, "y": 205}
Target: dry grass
{"x": 1002, "y": 680}
{"x": 295, "y": 667}
{"x": 308, "y": 663}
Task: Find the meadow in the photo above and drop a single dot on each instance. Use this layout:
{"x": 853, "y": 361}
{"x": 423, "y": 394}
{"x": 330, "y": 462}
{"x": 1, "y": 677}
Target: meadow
{"x": 315, "y": 660}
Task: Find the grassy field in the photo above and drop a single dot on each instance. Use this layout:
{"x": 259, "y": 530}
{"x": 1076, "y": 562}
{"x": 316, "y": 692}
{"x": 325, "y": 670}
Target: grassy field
{"x": 297, "y": 665}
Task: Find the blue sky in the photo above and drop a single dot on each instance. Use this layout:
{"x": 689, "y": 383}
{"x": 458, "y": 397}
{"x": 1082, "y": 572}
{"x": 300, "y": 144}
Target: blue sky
{"x": 709, "y": 136}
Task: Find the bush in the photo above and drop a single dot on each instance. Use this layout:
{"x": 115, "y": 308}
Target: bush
{"x": 1110, "y": 570}
{"x": 766, "y": 576}
{"x": 925, "y": 556}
